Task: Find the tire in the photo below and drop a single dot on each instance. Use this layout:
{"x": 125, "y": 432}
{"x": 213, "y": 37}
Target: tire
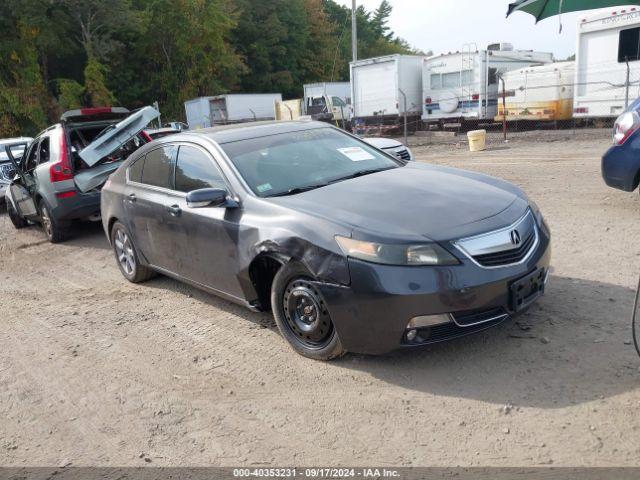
{"x": 126, "y": 256}
{"x": 14, "y": 216}
{"x": 52, "y": 229}
{"x": 301, "y": 315}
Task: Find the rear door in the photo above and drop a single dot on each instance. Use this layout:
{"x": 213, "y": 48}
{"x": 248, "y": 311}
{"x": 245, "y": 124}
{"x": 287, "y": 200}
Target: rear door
{"x": 146, "y": 195}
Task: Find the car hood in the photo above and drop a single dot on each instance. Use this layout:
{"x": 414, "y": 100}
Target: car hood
{"x": 381, "y": 142}
{"x": 414, "y": 201}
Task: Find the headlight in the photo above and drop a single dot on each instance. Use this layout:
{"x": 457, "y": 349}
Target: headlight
{"x": 424, "y": 254}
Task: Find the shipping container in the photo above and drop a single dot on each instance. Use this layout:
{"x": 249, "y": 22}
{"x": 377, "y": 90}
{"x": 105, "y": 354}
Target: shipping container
{"x": 231, "y": 108}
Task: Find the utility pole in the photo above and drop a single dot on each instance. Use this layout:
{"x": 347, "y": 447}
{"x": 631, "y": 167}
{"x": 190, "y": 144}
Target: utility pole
{"x": 354, "y": 32}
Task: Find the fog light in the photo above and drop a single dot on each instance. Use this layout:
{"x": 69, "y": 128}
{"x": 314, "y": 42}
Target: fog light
{"x": 428, "y": 320}
{"x": 411, "y": 335}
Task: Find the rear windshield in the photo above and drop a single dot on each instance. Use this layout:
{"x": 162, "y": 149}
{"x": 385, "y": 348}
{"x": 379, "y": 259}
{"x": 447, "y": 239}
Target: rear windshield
{"x": 286, "y": 162}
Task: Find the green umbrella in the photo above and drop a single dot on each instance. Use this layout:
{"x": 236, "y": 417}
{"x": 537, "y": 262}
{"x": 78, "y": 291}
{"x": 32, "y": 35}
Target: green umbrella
{"x": 542, "y": 9}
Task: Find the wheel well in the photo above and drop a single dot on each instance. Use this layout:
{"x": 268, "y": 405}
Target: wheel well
{"x": 262, "y": 271}
{"x": 112, "y": 220}
{"x": 636, "y": 181}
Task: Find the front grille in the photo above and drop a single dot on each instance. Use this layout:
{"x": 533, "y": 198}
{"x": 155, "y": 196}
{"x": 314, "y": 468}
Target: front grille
{"x": 7, "y": 171}
{"x": 451, "y": 330}
{"x": 507, "y": 257}
{"x": 403, "y": 154}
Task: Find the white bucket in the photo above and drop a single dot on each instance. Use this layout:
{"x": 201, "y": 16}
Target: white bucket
{"x": 477, "y": 140}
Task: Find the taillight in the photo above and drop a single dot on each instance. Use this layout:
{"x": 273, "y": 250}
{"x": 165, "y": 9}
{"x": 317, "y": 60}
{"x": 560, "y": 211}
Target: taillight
{"x": 61, "y": 170}
{"x": 475, "y": 96}
{"x": 581, "y": 110}
{"x": 625, "y": 125}
{"x": 427, "y": 100}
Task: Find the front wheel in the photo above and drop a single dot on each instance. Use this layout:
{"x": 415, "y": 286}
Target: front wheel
{"x": 302, "y": 316}
{"x": 14, "y": 216}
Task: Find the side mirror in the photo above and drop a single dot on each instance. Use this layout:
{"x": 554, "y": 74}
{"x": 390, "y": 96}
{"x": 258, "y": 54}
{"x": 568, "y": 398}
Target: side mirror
{"x": 206, "y": 197}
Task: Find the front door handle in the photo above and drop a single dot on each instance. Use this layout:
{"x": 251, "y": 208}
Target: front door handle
{"x": 132, "y": 197}
{"x": 174, "y": 210}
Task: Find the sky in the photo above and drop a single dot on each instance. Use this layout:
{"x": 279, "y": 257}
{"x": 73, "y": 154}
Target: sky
{"x": 446, "y": 25}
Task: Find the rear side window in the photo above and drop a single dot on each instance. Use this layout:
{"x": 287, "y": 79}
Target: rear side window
{"x": 195, "y": 169}
{"x": 135, "y": 170}
{"x": 629, "y": 45}
{"x": 44, "y": 154}
{"x": 158, "y": 167}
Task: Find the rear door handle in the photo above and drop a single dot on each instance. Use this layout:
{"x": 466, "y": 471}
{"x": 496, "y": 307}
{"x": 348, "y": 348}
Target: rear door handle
{"x": 174, "y": 210}
{"x": 132, "y": 197}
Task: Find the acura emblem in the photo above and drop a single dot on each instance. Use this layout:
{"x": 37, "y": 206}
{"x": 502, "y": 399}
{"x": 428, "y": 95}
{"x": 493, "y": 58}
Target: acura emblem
{"x": 515, "y": 237}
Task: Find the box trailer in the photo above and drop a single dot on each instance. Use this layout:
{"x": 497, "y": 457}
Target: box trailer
{"x": 543, "y": 93}
{"x": 327, "y": 101}
{"x": 463, "y": 86}
{"x": 606, "y": 43}
{"x": 384, "y": 89}
{"x": 231, "y": 108}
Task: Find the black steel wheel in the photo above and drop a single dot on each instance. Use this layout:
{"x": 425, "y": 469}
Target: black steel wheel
{"x": 302, "y": 315}
{"x": 306, "y": 314}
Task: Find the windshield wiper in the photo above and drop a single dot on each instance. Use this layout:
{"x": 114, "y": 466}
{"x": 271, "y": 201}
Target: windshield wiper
{"x": 361, "y": 173}
{"x": 293, "y": 191}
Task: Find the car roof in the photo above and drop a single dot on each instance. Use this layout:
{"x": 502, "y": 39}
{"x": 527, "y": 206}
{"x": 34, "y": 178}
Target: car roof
{"x": 243, "y": 131}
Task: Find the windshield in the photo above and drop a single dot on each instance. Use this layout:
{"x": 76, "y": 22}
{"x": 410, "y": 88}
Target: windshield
{"x": 289, "y": 163}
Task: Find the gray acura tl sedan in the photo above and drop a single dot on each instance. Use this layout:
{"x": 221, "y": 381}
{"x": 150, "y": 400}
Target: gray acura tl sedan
{"x": 350, "y": 248}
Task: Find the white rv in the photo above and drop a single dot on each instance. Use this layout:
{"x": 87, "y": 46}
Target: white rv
{"x": 543, "y": 93}
{"x": 606, "y": 42}
{"x": 464, "y": 85}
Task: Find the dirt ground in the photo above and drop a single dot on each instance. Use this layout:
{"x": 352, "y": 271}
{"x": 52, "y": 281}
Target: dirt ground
{"x": 97, "y": 371}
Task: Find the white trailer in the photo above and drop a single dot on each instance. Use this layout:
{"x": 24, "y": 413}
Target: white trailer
{"x": 328, "y": 101}
{"x": 463, "y": 86}
{"x": 384, "y": 89}
{"x": 543, "y": 93}
{"x": 607, "y": 42}
{"x": 231, "y": 108}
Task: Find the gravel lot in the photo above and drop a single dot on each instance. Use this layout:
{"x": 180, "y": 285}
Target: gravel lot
{"x": 97, "y": 371}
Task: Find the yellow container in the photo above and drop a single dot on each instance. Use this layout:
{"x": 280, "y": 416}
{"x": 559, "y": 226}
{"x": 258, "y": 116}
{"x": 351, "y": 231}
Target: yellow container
{"x": 477, "y": 140}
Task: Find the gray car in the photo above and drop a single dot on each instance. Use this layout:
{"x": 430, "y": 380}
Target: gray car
{"x": 352, "y": 249}
{"x": 58, "y": 175}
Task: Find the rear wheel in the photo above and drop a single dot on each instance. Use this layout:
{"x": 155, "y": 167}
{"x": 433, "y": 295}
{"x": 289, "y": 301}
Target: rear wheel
{"x": 14, "y": 216}
{"x": 52, "y": 229}
{"x": 126, "y": 256}
{"x": 302, "y": 316}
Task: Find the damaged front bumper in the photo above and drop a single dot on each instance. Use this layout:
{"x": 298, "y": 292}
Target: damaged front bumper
{"x": 372, "y": 314}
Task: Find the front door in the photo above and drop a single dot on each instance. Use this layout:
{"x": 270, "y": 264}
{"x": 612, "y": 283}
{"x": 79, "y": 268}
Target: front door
{"x": 23, "y": 190}
{"x": 207, "y": 244}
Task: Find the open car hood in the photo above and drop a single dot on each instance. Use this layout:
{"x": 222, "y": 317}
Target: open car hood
{"x": 118, "y": 135}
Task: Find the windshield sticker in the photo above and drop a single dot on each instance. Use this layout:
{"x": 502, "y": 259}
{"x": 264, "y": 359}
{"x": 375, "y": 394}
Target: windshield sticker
{"x": 265, "y": 187}
{"x": 356, "y": 154}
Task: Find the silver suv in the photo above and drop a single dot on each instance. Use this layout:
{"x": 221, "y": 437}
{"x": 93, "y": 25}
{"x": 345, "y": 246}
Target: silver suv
{"x": 61, "y": 172}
